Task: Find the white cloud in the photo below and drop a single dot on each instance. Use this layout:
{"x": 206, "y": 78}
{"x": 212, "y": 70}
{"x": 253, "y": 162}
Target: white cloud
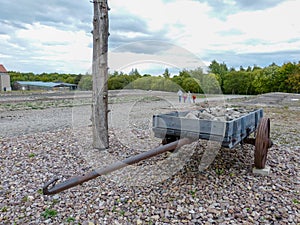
{"x": 270, "y": 48}
{"x": 280, "y": 23}
{"x": 272, "y": 30}
{"x": 4, "y": 56}
{"x": 69, "y": 49}
{"x": 188, "y": 24}
{"x": 130, "y": 34}
{"x": 154, "y": 12}
{"x": 169, "y": 56}
{"x": 6, "y": 40}
{"x": 48, "y": 35}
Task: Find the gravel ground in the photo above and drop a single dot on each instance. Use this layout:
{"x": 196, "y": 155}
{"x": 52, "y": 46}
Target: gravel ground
{"x": 167, "y": 189}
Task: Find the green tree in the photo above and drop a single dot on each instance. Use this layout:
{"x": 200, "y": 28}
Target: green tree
{"x": 134, "y": 72}
{"x": 77, "y": 79}
{"x": 86, "y": 83}
{"x": 219, "y": 69}
{"x": 184, "y": 74}
{"x": 255, "y": 67}
{"x": 210, "y": 84}
{"x": 192, "y": 85}
{"x": 231, "y": 82}
{"x": 157, "y": 84}
{"x": 266, "y": 79}
{"x": 143, "y": 83}
{"x": 287, "y": 77}
{"x": 166, "y": 74}
{"x": 170, "y": 86}
{"x": 197, "y": 74}
{"x": 293, "y": 82}
{"x": 178, "y": 80}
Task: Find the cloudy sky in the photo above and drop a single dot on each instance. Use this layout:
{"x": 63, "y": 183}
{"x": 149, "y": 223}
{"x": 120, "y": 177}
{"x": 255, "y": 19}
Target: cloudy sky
{"x": 55, "y": 35}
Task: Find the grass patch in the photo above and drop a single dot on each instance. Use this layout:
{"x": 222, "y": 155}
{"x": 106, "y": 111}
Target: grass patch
{"x": 31, "y": 155}
{"x": 4, "y": 209}
{"x": 49, "y": 213}
{"x": 219, "y": 171}
{"x": 70, "y": 219}
{"x": 122, "y": 212}
{"x": 40, "y": 191}
{"x": 193, "y": 193}
{"x": 25, "y": 199}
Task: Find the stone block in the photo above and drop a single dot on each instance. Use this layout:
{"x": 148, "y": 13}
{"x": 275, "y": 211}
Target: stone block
{"x": 264, "y": 172}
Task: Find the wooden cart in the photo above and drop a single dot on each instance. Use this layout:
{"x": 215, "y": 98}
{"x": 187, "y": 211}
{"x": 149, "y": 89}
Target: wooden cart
{"x": 175, "y": 125}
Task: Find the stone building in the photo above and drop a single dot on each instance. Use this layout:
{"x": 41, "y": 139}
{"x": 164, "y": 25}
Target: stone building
{"x": 4, "y": 79}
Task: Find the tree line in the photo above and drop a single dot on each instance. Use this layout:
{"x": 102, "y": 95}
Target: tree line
{"x": 218, "y": 79}
{"x": 45, "y": 77}
{"x": 256, "y": 80}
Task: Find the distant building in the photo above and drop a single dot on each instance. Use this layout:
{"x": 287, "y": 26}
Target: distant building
{"x": 39, "y": 85}
{"x": 4, "y": 79}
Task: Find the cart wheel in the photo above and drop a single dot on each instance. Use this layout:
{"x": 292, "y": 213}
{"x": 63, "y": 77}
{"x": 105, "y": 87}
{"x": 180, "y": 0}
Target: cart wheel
{"x": 262, "y": 143}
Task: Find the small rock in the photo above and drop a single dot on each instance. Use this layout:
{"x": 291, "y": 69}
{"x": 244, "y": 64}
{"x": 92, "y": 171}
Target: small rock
{"x": 155, "y": 217}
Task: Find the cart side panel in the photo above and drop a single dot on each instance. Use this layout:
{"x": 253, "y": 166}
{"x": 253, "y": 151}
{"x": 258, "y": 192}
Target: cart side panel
{"x": 166, "y": 125}
{"x": 162, "y": 133}
{"x": 185, "y": 124}
{"x": 230, "y": 133}
{"x": 242, "y": 127}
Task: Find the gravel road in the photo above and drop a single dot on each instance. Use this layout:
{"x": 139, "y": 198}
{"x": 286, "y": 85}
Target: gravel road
{"x": 44, "y": 117}
{"x": 38, "y": 144}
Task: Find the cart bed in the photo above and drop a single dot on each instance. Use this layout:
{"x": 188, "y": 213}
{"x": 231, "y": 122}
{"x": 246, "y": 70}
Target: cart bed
{"x": 229, "y": 133}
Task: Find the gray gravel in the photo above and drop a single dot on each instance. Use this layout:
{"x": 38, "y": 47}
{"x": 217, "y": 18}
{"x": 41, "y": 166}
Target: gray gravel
{"x": 227, "y": 192}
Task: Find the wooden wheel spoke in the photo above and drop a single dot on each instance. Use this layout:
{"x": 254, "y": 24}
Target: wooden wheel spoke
{"x": 262, "y": 143}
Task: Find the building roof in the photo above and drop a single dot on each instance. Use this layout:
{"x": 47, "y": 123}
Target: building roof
{"x": 45, "y": 84}
{"x": 2, "y": 69}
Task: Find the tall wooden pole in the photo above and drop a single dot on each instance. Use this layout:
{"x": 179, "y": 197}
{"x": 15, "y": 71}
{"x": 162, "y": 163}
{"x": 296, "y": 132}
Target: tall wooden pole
{"x": 100, "y": 70}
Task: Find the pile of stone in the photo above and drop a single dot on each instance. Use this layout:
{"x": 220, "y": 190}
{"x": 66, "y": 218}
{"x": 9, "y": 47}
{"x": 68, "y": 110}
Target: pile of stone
{"x": 218, "y": 113}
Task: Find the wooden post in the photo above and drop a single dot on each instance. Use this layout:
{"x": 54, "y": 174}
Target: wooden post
{"x": 100, "y": 70}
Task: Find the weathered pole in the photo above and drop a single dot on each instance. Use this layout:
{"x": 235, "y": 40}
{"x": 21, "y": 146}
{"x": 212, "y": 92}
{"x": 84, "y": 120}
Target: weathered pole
{"x": 99, "y": 71}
